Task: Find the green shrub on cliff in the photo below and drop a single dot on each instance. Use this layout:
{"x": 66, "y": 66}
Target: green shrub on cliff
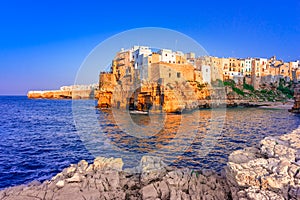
{"x": 248, "y": 87}
{"x": 285, "y": 90}
{"x": 238, "y": 91}
{"x": 229, "y": 82}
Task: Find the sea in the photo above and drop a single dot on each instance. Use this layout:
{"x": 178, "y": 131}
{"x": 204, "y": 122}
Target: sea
{"x": 39, "y": 137}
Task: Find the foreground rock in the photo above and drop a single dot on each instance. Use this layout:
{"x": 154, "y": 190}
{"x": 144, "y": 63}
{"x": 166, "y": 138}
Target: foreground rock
{"x": 269, "y": 171}
{"x": 104, "y": 179}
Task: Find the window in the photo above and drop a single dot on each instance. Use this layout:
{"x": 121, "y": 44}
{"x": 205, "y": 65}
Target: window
{"x": 206, "y": 70}
{"x": 178, "y": 74}
{"x": 166, "y": 54}
{"x": 169, "y": 75}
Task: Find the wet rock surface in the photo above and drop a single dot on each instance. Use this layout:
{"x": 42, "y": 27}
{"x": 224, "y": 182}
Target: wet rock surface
{"x": 269, "y": 171}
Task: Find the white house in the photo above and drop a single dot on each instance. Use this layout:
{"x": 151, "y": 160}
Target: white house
{"x": 248, "y": 66}
{"x": 295, "y": 65}
{"x": 167, "y": 56}
{"x": 138, "y": 54}
{"x": 206, "y": 74}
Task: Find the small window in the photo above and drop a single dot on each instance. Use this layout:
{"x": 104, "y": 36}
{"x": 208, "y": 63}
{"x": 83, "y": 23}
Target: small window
{"x": 169, "y": 75}
{"x": 206, "y": 70}
{"x": 178, "y": 74}
{"x": 166, "y": 54}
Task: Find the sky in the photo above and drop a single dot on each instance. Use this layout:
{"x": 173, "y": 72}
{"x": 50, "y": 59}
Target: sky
{"x": 44, "y": 43}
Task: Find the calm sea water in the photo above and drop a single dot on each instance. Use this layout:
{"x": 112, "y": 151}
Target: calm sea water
{"x": 38, "y": 138}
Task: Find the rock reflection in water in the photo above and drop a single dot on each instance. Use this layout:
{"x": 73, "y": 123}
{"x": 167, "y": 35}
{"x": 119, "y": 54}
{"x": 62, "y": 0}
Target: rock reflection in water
{"x": 176, "y": 136}
{"x": 241, "y": 127}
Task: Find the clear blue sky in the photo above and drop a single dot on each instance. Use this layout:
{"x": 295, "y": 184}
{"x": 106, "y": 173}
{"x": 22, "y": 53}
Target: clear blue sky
{"x": 43, "y": 43}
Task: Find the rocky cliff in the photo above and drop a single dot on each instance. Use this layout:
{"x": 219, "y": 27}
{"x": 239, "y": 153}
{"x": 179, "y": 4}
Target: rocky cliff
{"x": 270, "y": 170}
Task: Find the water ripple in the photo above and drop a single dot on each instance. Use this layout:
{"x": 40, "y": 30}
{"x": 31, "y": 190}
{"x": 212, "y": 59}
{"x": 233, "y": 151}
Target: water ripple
{"x": 38, "y": 138}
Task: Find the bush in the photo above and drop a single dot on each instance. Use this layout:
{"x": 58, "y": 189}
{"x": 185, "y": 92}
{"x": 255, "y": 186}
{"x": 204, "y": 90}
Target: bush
{"x": 229, "y": 82}
{"x": 285, "y": 90}
{"x": 263, "y": 91}
{"x": 270, "y": 92}
{"x": 238, "y": 91}
{"x": 248, "y": 87}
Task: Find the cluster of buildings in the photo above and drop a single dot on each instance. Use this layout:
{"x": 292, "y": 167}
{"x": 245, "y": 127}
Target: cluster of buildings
{"x": 144, "y": 62}
{"x": 146, "y": 76}
{"x": 256, "y": 71}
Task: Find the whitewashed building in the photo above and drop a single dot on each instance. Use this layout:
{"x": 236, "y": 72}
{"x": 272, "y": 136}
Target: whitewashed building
{"x": 167, "y": 55}
{"x": 248, "y": 66}
{"x": 206, "y": 74}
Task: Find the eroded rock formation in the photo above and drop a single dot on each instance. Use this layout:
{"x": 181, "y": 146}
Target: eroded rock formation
{"x": 269, "y": 171}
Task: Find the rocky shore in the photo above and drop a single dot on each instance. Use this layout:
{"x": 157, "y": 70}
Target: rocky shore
{"x": 270, "y": 170}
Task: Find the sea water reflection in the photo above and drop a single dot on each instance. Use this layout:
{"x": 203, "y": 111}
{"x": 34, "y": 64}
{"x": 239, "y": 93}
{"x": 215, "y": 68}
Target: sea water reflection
{"x": 199, "y": 139}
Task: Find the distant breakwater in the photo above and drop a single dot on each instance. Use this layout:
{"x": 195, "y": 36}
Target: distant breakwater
{"x": 60, "y": 94}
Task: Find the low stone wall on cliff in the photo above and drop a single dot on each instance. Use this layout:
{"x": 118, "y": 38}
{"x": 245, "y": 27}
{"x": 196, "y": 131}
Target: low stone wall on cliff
{"x": 270, "y": 170}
